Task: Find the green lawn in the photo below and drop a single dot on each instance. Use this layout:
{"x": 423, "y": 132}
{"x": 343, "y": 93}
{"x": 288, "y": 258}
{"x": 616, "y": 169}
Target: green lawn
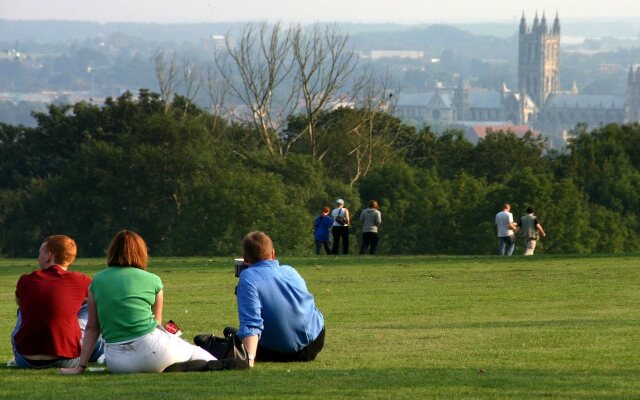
{"x": 397, "y": 327}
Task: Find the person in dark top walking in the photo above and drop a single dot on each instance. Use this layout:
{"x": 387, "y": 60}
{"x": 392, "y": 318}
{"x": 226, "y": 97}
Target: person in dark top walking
{"x": 530, "y": 229}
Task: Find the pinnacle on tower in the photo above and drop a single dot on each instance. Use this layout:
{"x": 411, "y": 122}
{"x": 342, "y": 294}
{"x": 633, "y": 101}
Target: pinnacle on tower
{"x": 504, "y": 88}
{"x": 556, "y": 25}
{"x": 543, "y": 23}
{"x": 536, "y": 23}
{"x": 574, "y": 87}
{"x": 523, "y": 24}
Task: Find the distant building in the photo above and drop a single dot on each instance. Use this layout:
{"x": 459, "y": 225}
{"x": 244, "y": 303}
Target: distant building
{"x": 448, "y": 106}
{"x": 476, "y": 132}
{"x": 538, "y": 103}
{"x": 411, "y": 54}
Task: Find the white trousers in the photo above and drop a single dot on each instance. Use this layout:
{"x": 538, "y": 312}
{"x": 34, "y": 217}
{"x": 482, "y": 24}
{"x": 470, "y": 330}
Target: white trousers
{"x": 152, "y": 352}
{"x": 530, "y": 246}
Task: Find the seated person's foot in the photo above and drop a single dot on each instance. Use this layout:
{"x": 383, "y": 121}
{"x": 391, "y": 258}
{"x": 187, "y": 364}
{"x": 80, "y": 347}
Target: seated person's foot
{"x": 229, "y": 331}
{"x": 187, "y": 366}
{"x": 200, "y": 340}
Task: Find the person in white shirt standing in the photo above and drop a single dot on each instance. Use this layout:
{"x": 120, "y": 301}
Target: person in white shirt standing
{"x": 506, "y": 231}
{"x": 340, "y": 227}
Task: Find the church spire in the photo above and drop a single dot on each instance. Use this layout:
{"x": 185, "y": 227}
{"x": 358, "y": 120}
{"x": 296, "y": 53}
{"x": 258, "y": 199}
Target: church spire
{"x": 543, "y": 23}
{"x": 536, "y": 23}
{"x": 574, "y": 87}
{"x": 556, "y": 25}
{"x": 523, "y": 24}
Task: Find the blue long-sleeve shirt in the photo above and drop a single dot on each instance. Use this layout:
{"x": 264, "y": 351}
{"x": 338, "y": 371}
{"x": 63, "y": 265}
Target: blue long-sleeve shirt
{"x": 275, "y": 304}
{"x": 321, "y": 227}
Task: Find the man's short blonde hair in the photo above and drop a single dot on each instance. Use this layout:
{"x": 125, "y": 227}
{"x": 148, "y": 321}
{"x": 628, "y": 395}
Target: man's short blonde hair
{"x": 63, "y": 248}
{"x": 257, "y": 246}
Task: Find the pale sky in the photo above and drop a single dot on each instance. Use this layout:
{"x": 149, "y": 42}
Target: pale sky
{"x": 305, "y": 11}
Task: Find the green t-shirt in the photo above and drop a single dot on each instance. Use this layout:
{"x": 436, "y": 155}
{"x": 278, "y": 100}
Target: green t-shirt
{"x": 124, "y": 296}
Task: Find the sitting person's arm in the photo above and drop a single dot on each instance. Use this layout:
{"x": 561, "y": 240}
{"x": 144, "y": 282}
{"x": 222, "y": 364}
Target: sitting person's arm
{"x": 251, "y": 323}
{"x": 251, "y": 345}
{"x": 91, "y": 334}
{"x": 156, "y": 308}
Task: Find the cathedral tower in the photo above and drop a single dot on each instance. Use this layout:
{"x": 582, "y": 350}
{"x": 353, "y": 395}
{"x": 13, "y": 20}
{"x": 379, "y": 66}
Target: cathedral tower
{"x": 539, "y": 59}
{"x": 632, "y": 103}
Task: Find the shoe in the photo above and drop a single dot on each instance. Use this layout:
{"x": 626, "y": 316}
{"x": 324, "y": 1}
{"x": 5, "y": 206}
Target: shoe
{"x": 200, "y": 340}
{"x": 229, "y": 331}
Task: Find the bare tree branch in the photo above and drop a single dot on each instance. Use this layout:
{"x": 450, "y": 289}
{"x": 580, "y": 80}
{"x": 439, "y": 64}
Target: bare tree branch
{"x": 255, "y": 71}
{"x": 166, "y": 74}
{"x": 323, "y": 63}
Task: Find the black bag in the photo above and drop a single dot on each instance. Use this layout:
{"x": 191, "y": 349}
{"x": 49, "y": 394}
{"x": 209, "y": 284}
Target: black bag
{"x": 340, "y": 219}
{"x": 228, "y": 350}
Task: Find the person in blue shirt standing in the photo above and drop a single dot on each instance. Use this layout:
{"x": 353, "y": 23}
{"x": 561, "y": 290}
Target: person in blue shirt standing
{"x": 278, "y": 317}
{"x": 321, "y": 227}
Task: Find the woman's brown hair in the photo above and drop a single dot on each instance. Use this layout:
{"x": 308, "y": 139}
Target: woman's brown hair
{"x": 127, "y": 249}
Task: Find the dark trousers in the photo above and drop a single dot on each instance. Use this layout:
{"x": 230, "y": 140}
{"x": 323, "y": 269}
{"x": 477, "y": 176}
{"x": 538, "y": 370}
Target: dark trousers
{"x": 319, "y": 244}
{"x": 369, "y": 241}
{"x": 340, "y": 232}
{"x": 308, "y": 353}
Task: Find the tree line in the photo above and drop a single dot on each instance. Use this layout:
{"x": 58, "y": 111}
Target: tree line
{"x": 193, "y": 183}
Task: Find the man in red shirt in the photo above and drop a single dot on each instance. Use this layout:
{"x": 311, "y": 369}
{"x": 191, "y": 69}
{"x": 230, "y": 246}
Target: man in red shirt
{"x": 52, "y": 309}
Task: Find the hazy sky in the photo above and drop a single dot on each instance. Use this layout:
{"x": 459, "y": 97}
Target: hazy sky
{"x": 402, "y": 11}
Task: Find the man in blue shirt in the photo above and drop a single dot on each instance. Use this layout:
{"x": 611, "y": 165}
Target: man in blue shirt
{"x": 278, "y": 317}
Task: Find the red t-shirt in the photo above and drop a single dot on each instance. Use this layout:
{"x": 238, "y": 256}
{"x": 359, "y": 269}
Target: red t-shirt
{"x": 49, "y": 302}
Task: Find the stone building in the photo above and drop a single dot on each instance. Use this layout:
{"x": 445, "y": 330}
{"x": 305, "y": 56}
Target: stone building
{"x": 539, "y": 101}
{"x": 539, "y": 59}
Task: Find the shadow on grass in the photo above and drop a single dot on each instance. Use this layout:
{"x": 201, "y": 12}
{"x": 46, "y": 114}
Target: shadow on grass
{"x": 278, "y": 381}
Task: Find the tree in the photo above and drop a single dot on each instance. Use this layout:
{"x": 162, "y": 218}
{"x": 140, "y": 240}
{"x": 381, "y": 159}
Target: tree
{"x": 257, "y": 72}
{"x": 500, "y": 153}
{"x": 323, "y": 63}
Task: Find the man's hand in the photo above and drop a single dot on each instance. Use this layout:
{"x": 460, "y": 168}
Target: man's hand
{"x": 71, "y": 371}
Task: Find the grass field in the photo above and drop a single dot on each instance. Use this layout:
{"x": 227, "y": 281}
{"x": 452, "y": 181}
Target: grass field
{"x": 397, "y": 327}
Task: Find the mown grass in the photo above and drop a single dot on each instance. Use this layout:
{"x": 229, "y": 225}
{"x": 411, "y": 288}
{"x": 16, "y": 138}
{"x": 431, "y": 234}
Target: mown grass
{"x": 397, "y": 327}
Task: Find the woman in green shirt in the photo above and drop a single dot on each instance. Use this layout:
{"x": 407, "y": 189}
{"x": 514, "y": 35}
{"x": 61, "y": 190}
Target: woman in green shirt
{"x": 125, "y": 306}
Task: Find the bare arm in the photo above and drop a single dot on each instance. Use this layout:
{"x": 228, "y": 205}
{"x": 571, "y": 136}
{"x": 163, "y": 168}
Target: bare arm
{"x": 91, "y": 334}
{"x": 156, "y": 308}
{"x": 251, "y": 345}
{"x": 541, "y": 230}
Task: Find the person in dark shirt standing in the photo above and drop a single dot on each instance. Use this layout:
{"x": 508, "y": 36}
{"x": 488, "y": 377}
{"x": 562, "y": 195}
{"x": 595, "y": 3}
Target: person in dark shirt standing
{"x": 371, "y": 219}
{"x": 321, "y": 233}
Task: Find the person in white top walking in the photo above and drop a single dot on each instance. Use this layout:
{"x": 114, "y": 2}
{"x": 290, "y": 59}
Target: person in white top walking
{"x": 506, "y": 231}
